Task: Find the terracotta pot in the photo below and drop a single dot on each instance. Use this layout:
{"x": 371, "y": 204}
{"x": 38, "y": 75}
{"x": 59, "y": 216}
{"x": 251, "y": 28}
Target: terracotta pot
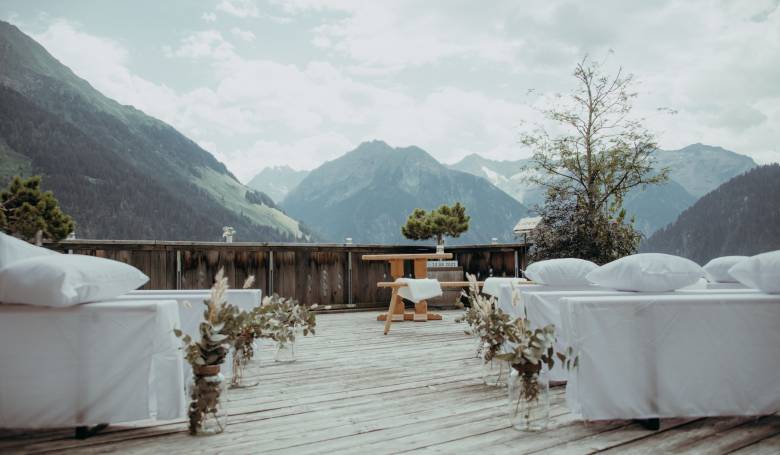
{"x": 206, "y": 370}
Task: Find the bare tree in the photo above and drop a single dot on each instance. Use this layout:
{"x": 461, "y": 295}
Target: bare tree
{"x": 603, "y": 153}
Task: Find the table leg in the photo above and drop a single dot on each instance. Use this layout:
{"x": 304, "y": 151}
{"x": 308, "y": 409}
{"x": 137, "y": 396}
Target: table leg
{"x": 390, "y": 310}
{"x": 421, "y": 311}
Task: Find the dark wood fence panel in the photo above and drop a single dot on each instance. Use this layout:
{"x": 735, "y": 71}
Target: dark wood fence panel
{"x": 327, "y": 275}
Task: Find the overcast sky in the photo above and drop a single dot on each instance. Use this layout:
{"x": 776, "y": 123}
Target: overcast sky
{"x": 298, "y": 82}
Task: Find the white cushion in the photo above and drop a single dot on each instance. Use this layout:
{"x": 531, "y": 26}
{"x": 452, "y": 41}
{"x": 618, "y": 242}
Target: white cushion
{"x": 560, "y": 272}
{"x": 67, "y": 279}
{"x": 717, "y": 270}
{"x": 759, "y": 272}
{"x": 13, "y": 249}
{"x": 647, "y": 272}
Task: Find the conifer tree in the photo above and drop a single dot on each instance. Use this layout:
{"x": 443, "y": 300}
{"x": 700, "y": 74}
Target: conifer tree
{"x": 450, "y": 221}
{"x": 32, "y": 214}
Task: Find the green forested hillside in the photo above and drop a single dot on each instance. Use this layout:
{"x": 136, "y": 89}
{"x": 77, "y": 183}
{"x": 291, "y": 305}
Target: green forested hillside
{"x": 740, "y": 217}
{"x": 117, "y": 171}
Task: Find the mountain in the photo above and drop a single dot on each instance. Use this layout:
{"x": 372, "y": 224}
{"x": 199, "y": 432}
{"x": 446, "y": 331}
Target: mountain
{"x": 740, "y": 217}
{"x": 655, "y": 206}
{"x": 277, "y": 181}
{"x": 368, "y": 193}
{"x": 701, "y": 168}
{"x": 694, "y": 171}
{"x": 119, "y": 172}
{"x": 510, "y": 176}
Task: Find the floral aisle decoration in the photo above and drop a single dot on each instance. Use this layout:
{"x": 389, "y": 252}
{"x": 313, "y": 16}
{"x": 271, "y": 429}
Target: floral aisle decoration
{"x": 286, "y": 318}
{"x": 244, "y": 328}
{"x": 207, "y": 390}
{"x": 492, "y": 327}
{"x": 533, "y": 354}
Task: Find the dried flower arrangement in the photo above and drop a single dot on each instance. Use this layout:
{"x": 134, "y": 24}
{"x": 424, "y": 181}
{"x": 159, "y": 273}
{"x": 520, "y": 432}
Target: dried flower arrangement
{"x": 206, "y": 355}
{"x": 285, "y": 316}
{"x": 486, "y": 321}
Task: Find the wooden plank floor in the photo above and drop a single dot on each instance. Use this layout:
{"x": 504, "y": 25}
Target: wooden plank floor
{"x": 354, "y": 390}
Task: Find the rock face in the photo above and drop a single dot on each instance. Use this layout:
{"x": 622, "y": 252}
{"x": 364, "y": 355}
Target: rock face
{"x": 695, "y": 170}
{"x": 740, "y": 217}
{"x": 368, "y": 193}
{"x": 277, "y": 181}
{"x": 120, "y": 173}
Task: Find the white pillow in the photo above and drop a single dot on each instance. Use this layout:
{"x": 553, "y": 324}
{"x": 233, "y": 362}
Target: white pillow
{"x": 560, "y": 272}
{"x": 67, "y": 279}
{"x": 13, "y": 249}
{"x": 647, "y": 272}
{"x": 759, "y": 272}
{"x": 717, "y": 270}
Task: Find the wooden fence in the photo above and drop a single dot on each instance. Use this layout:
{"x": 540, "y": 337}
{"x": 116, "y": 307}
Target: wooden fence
{"x": 326, "y": 274}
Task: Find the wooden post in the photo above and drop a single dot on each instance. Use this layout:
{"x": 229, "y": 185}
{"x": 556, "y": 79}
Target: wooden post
{"x": 421, "y": 307}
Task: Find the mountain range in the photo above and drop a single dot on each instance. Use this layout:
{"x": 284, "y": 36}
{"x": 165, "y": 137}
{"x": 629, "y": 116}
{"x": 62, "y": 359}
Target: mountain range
{"x": 694, "y": 171}
{"x": 740, "y": 217}
{"x": 368, "y": 193}
{"x": 119, "y": 172}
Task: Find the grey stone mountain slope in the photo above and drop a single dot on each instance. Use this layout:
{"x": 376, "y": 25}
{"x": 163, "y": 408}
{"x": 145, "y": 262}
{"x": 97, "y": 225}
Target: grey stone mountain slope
{"x": 701, "y": 168}
{"x": 119, "y": 172}
{"x": 368, "y": 193}
{"x": 277, "y": 181}
{"x": 510, "y": 176}
{"x": 740, "y": 217}
{"x": 695, "y": 170}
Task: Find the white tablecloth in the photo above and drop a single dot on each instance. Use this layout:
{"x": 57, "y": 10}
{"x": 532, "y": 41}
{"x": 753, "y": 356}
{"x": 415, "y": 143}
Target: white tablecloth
{"x": 105, "y": 362}
{"x": 708, "y": 354}
{"x": 543, "y": 306}
{"x": 191, "y": 307}
{"x": 493, "y": 284}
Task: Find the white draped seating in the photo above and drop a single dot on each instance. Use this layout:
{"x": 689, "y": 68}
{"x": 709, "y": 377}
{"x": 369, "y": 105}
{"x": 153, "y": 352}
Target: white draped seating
{"x": 104, "y": 362}
{"x": 674, "y": 355}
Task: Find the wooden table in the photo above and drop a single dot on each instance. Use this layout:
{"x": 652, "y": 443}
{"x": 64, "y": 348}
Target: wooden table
{"x": 396, "y": 261}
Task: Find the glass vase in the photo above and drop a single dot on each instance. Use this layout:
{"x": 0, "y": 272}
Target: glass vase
{"x": 207, "y": 411}
{"x": 285, "y": 352}
{"x": 494, "y": 373}
{"x": 244, "y": 365}
{"x": 529, "y": 400}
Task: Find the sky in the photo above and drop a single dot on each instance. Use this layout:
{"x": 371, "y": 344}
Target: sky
{"x": 298, "y": 82}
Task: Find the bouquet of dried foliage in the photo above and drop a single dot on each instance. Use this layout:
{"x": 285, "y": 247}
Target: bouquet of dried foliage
{"x": 283, "y": 317}
{"x": 208, "y": 353}
{"x": 486, "y": 321}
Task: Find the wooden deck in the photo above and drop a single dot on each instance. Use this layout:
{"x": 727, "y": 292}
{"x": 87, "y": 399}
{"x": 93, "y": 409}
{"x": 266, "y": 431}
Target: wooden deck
{"x": 354, "y": 390}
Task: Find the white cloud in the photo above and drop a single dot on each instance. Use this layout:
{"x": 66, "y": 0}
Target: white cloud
{"x": 203, "y": 44}
{"x": 449, "y": 77}
{"x": 244, "y": 35}
{"x": 103, "y": 63}
{"x": 209, "y": 17}
{"x": 239, "y": 8}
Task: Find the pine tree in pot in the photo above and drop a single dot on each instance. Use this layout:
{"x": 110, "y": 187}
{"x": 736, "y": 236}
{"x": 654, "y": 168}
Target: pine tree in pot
{"x": 444, "y": 221}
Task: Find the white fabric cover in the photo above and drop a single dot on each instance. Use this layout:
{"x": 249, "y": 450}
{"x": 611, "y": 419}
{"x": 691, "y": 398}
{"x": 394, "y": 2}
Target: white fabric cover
{"x": 190, "y": 305}
{"x": 13, "y": 250}
{"x": 105, "y": 362}
{"x": 493, "y": 285}
{"x": 419, "y": 289}
{"x": 67, "y": 279}
{"x": 647, "y": 272}
{"x": 543, "y": 307}
{"x": 560, "y": 272}
{"x": 761, "y": 271}
{"x": 674, "y": 355}
{"x": 717, "y": 270}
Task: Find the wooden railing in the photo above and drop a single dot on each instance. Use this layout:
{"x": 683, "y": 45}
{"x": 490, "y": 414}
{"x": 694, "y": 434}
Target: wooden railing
{"x": 327, "y": 274}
